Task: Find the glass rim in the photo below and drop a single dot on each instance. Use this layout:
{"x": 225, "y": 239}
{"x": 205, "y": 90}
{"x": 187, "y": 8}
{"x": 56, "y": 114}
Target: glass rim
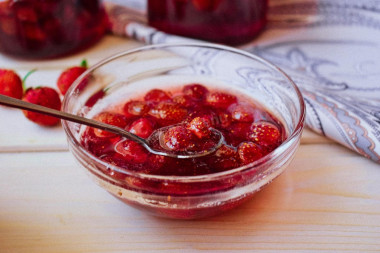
{"x": 207, "y": 177}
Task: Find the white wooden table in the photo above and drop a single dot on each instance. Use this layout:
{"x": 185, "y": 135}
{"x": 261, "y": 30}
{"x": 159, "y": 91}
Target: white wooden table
{"x": 327, "y": 200}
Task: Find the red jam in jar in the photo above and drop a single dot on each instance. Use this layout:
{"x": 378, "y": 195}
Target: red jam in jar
{"x": 250, "y": 131}
{"x": 221, "y": 21}
{"x": 37, "y": 29}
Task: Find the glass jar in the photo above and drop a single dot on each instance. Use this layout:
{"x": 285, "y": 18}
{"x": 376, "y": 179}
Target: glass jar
{"x": 221, "y": 21}
{"x": 49, "y": 28}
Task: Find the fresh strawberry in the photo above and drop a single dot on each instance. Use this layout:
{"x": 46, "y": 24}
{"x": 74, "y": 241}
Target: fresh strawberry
{"x": 265, "y": 134}
{"x": 220, "y": 99}
{"x": 44, "y": 96}
{"x": 10, "y": 84}
{"x": 111, "y": 119}
{"x": 67, "y": 77}
{"x": 249, "y": 152}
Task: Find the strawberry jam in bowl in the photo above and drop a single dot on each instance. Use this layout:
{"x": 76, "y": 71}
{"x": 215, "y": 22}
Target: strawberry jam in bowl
{"x": 192, "y": 89}
{"x": 36, "y": 29}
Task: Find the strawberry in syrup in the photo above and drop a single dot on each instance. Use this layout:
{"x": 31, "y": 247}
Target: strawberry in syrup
{"x": 178, "y": 138}
{"x": 132, "y": 152}
{"x": 200, "y": 127}
{"x": 220, "y": 100}
{"x": 249, "y": 152}
{"x": 136, "y": 108}
{"x": 265, "y": 134}
{"x": 224, "y": 158}
{"x": 142, "y": 127}
{"x": 241, "y": 112}
{"x": 156, "y": 96}
{"x": 114, "y": 119}
{"x": 184, "y": 101}
{"x": 195, "y": 91}
{"x": 168, "y": 113}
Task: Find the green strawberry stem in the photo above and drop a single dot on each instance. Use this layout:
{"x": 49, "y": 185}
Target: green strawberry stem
{"x": 106, "y": 89}
{"x": 84, "y": 63}
{"x": 26, "y": 76}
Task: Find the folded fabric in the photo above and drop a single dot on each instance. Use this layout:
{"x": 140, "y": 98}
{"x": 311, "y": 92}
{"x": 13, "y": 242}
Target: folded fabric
{"x": 331, "y": 50}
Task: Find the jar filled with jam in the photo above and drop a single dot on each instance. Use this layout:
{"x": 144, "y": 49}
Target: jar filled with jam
{"x": 221, "y": 21}
{"x": 37, "y": 29}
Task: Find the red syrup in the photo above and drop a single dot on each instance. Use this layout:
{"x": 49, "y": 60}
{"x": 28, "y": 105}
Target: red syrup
{"x": 250, "y": 132}
{"x": 222, "y": 21}
{"x": 35, "y": 29}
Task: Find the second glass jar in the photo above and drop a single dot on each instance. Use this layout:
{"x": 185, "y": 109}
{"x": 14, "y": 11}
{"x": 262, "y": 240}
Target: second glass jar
{"x": 221, "y": 21}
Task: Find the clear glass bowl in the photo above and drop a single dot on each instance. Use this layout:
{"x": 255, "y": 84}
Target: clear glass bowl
{"x": 136, "y": 71}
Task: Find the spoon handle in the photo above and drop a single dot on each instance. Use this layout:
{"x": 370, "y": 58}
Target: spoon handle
{"x": 20, "y": 104}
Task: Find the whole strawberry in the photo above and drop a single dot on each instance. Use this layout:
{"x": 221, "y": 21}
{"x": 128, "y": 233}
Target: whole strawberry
{"x": 10, "y": 84}
{"x": 266, "y": 134}
{"x": 44, "y": 96}
{"x": 67, "y": 77}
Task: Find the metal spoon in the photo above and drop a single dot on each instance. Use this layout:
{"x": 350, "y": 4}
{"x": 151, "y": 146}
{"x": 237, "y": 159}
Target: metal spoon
{"x": 148, "y": 143}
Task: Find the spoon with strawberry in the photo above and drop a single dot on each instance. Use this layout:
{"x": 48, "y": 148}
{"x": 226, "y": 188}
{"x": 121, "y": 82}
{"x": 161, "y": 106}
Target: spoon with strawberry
{"x": 157, "y": 143}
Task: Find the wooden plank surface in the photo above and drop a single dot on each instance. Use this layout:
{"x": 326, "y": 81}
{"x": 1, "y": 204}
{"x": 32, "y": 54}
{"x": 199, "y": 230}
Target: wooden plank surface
{"x": 327, "y": 200}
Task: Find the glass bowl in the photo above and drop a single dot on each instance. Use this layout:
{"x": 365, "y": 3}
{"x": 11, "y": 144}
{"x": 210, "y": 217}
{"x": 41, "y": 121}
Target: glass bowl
{"x": 135, "y": 71}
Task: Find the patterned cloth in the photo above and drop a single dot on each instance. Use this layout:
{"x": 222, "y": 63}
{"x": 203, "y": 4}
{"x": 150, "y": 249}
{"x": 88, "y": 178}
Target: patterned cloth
{"x": 331, "y": 50}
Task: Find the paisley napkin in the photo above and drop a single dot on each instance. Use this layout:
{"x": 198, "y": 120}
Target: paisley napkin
{"x": 331, "y": 50}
